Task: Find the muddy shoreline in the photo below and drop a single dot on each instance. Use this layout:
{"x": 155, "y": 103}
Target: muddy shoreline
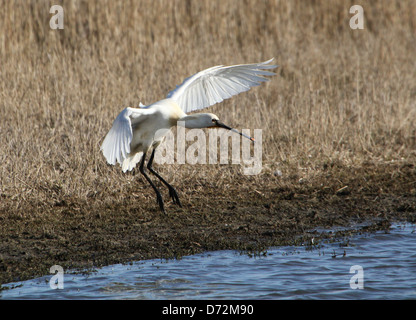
{"x": 246, "y": 215}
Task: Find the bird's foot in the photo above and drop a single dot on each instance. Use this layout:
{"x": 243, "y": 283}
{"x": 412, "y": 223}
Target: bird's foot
{"x": 174, "y": 195}
{"x": 159, "y": 200}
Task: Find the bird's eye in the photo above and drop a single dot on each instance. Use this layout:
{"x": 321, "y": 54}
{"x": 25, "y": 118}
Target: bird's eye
{"x": 214, "y": 120}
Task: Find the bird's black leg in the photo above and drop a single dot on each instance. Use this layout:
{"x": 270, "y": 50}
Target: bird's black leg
{"x": 172, "y": 192}
{"x": 158, "y": 195}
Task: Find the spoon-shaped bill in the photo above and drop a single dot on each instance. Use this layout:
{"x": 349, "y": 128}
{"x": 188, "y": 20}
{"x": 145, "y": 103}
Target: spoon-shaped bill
{"x": 222, "y": 125}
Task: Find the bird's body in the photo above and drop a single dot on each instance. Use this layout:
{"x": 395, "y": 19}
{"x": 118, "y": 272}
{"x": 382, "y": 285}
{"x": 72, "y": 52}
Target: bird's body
{"x": 136, "y": 131}
{"x": 148, "y": 125}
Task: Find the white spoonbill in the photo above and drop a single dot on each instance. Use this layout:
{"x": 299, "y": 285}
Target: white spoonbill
{"x": 137, "y": 130}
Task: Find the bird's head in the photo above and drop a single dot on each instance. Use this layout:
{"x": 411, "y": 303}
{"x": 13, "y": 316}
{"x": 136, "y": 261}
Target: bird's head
{"x": 199, "y": 120}
{"x": 208, "y": 120}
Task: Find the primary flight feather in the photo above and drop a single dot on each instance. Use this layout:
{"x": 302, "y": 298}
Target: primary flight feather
{"x": 215, "y": 84}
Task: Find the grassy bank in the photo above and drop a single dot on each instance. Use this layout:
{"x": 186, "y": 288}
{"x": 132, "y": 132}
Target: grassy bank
{"x": 339, "y": 140}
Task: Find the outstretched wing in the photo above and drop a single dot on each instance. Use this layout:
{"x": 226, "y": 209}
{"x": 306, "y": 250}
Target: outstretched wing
{"x": 116, "y": 145}
{"x": 215, "y": 84}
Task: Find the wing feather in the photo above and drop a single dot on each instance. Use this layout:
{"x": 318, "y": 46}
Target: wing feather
{"x": 117, "y": 141}
{"x": 116, "y": 145}
{"x": 218, "y": 83}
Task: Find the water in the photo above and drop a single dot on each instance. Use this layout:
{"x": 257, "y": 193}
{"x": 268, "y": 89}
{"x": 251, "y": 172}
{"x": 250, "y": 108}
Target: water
{"x": 387, "y": 261}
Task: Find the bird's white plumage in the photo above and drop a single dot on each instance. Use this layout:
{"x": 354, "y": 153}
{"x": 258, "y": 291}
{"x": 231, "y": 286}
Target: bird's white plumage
{"x": 215, "y": 84}
{"x": 117, "y": 144}
{"x": 136, "y": 130}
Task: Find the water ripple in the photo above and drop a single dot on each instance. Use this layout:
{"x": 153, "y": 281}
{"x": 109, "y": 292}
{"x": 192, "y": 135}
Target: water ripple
{"x": 387, "y": 260}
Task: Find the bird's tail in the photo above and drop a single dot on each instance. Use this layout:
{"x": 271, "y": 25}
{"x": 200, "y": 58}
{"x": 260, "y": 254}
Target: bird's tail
{"x": 130, "y": 162}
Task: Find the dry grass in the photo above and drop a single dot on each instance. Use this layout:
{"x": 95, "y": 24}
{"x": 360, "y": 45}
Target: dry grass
{"x": 341, "y": 95}
{"x": 341, "y": 108}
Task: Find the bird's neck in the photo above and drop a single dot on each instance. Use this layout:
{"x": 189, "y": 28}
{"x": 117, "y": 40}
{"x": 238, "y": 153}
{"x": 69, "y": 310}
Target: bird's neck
{"x": 189, "y": 121}
{"x": 193, "y": 121}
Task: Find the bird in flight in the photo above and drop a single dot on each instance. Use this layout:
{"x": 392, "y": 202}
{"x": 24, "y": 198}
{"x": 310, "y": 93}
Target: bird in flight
{"x": 136, "y": 131}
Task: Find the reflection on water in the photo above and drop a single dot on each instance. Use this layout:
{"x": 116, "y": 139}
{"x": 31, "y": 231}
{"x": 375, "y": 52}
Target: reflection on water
{"x": 387, "y": 261}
